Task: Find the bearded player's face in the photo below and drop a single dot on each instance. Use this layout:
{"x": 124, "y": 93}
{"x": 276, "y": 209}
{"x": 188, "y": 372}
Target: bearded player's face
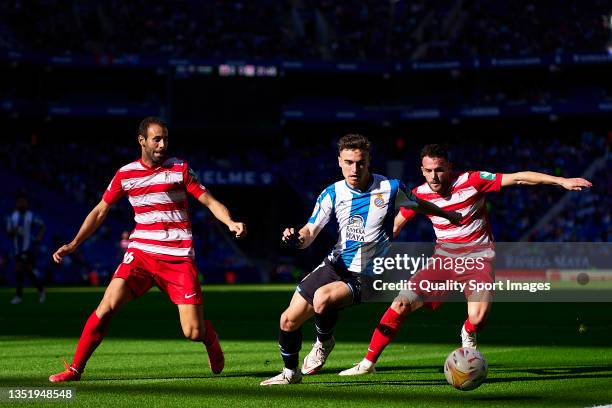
{"x": 437, "y": 172}
{"x": 155, "y": 145}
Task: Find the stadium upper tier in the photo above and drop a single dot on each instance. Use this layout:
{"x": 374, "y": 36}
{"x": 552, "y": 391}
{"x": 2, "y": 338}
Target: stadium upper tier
{"x": 308, "y": 30}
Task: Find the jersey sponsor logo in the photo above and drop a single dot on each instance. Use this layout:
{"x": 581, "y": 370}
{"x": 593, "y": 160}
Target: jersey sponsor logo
{"x": 379, "y": 201}
{"x": 190, "y": 296}
{"x": 355, "y": 229}
{"x": 128, "y": 257}
{"x": 169, "y": 176}
{"x": 485, "y": 175}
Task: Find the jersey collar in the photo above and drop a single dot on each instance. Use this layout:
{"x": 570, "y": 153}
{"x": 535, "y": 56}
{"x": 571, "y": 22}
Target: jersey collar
{"x": 148, "y": 167}
{"x": 370, "y": 184}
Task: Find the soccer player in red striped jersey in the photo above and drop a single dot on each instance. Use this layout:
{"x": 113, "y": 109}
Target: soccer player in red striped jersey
{"x": 465, "y": 193}
{"x": 160, "y": 251}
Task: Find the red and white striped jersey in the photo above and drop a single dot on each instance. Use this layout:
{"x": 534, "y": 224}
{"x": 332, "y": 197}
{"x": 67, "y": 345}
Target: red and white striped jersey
{"x": 159, "y": 198}
{"x": 467, "y": 196}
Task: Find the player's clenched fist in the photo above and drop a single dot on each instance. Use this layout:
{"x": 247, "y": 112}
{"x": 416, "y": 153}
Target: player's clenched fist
{"x": 455, "y": 217}
{"x": 238, "y": 228}
{"x": 64, "y": 250}
{"x": 291, "y": 238}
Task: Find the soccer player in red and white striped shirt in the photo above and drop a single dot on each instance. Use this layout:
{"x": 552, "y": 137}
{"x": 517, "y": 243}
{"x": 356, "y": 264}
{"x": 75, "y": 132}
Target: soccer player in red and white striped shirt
{"x": 465, "y": 193}
{"x": 160, "y": 251}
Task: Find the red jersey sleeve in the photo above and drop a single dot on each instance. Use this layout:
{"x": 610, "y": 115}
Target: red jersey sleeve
{"x": 484, "y": 181}
{"x": 409, "y": 213}
{"x": 114, "y": 191}
{"x": 192, "y": 184}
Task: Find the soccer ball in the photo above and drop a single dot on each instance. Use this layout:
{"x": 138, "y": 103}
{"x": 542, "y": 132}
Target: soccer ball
{"x": 465, "y": 369}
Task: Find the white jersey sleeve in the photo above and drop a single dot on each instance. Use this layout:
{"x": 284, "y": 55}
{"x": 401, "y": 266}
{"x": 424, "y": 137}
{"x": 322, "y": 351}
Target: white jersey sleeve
{"x": 324, "y": 208}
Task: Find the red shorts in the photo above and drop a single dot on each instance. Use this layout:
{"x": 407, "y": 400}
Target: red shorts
{"x": 481, "y": 272}
{"x": 178, "y": 278}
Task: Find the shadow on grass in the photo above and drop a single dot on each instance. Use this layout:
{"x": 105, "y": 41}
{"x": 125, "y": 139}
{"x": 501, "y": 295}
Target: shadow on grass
{"x": 254, "y": 392}
{"x": 308, "y": 393}
{"x": 540, "y": 374}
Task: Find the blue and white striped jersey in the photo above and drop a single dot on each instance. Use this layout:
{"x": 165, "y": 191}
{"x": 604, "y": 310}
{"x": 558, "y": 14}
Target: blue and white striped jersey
{"x": 365, "y": 218}
{"x": 20, "y": 227}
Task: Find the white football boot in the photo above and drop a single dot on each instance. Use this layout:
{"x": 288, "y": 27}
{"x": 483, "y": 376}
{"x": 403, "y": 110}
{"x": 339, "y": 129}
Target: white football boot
{"x": 315, "y": 360}
{"x": 286, "y": 377}
{"x": 362, "y": 368}
{"x": 468, "y": 340}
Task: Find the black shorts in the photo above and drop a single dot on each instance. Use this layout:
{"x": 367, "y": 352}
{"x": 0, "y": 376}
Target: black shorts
{"x": 326, "y": 273}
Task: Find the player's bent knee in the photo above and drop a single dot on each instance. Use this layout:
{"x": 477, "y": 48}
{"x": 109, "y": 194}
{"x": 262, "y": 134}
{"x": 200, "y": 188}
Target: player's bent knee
{"x": 192, "y": 332}
{"x": 321, "y": 306}
{"x": 287, "y": 324}
{"x": 402, "y": 307}
{"x": 107, "y": 308}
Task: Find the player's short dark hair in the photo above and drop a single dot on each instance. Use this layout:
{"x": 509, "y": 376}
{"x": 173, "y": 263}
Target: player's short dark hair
{"x": 354, "y": 141}
{"x": 435, "y": 150}
{"x": 148, "y": 121}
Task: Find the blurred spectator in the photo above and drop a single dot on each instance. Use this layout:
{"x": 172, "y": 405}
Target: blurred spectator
{"x": 25, "y": 229}
{"x": 306, "y": 29}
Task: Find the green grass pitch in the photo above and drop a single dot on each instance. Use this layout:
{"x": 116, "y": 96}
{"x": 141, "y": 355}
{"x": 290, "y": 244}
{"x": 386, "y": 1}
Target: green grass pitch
{"x": 537, "y": 356}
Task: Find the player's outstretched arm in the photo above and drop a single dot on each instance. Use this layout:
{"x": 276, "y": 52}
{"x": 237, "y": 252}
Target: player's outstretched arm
{"x": 532, "y": 178}
{"x": 222, "y": 214}
{"x": 426, "y": 207}
{"x": 398, "y": 224}
{"x": 93, "y": 220}
{"x": 300, "y": 239}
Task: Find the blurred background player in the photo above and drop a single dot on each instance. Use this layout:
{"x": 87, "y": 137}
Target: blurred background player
{"x": 160, "y": 251}
{"x": 123, "y": 244}
{"x": 364, "y": 206}
{"x": 463, "y": 192}
{"x": 25, "y": 229}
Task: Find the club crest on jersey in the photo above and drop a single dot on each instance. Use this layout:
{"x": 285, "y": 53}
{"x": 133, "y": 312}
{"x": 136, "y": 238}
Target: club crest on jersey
{"x": 485, "y": 175}
{"x": 355, "y": 229}
{"x": 379, "y": 201}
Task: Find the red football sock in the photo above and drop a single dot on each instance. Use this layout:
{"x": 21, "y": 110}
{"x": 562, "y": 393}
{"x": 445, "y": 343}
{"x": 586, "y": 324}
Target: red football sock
{"x": 93, "y": 333}
{"x": 210, "y": 333}
{"x": 384, "y": 333}
{"x": 470, "y": 328}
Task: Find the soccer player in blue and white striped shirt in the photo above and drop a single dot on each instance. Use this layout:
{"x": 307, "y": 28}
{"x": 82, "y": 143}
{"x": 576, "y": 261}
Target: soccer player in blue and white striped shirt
{"x": 364, "y": 206}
